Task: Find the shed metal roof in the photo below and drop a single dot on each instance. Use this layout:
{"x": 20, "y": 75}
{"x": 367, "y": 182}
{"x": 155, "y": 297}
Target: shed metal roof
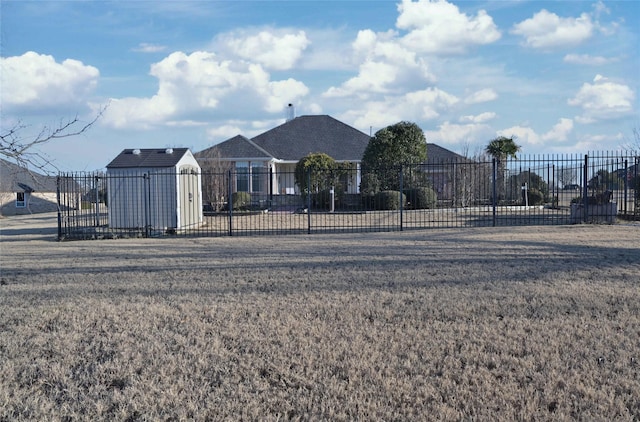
{"x": 148, "y": 158}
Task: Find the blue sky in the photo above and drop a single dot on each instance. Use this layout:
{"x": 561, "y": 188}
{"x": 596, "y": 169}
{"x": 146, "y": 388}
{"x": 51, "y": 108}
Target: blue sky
{"x": 563, "y": 77}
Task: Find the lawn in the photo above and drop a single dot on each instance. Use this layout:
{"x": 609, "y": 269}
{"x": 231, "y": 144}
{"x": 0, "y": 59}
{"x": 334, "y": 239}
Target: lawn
{"x": 517, "y": 323}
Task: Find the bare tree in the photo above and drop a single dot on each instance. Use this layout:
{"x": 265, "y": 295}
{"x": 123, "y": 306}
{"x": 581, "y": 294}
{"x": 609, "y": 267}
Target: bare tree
{"x": 634, "y": 143}
{"x": 214, "y": 177}
{"x": 568, "y": 175}
{"x": 23, "y": 150}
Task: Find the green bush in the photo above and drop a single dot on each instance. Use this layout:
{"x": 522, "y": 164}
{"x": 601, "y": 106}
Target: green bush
{"x": 240, "y": 200}
{"x": 321, "y": 200}
{"x": 389, "y": 200}
{"x": 421, "y": 198}
{"x": 535, "y": 197}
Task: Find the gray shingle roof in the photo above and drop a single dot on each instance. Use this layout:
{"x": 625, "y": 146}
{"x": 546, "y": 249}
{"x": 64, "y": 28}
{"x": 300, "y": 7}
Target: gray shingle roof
{"x": 148, "y": 158}
{"x": 309, "y": 134}
{"x": 437, "y": 155}
{"x": 236, "y": 147}
{"x": 14, "y": 178}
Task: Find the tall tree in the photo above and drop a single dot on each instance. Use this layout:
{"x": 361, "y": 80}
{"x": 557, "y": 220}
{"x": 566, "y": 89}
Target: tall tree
{"x": 502, "y": 148}
{"x": 390, "y": 148}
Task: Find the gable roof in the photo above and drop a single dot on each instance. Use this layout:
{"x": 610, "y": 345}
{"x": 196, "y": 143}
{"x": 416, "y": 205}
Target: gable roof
{"x": 149, "y": 157}
{"x": 438, "y": 155}
{"x": 304, "y": 135}
{"x": 236, "y": 147}
{"x": 15, "y": 178}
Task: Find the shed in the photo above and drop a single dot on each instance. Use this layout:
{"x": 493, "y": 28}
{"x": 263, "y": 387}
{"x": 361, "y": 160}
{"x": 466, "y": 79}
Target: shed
{"x": 154, "y": 189}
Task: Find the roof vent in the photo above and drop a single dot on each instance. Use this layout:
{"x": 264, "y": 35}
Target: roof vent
{"x": 136, "y": 152}
{"x": 168, "y": 151}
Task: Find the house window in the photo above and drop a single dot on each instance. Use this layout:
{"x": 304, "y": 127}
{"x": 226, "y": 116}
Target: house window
{"x": 257, "y": 177}
{"x": 20, "y": 203}
{"x": 344, "y": 182}
{"x": 242, "y": 176}
{"x": 250, "y": 177}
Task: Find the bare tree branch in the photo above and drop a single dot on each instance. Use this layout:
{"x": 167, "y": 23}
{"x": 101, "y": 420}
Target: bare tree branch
{"x": 23, "y": 150}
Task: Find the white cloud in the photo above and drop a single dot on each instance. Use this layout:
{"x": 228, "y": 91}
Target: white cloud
{"x": 480, "y": 118}
{"x": 590, "y": 142}
{"x": 527, "y": 136}
{"x": 139, "y": 113}
{"x": 455, "y": 134}
{"x": 374, "y": 115}
{"x": 481, "y": 96}
{"x": 547, "y": 30}
{"x": 523, "y": 135}
{"x": 385, "y": 67}
{"x": 223, "y": 132}
{"x": 430, "y": 100}
{"x": 603, "y": 99}
{"x": 200, "y": 82}
{"x": 439, "y": 27}
{"x": 419, "y": 105}
{"x": 600, "y": 8}
{"x": 560, "y": 131}
{"x": 588, "y": 60}
{"x": 37, "y": 81}
{"x": 144, "y": 47}
{"x": 374, "y": 77}
{"x": 274, "y": 49}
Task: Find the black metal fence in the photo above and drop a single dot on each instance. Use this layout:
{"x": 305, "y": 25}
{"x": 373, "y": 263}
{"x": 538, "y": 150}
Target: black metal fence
{"x": 532, "y": 190}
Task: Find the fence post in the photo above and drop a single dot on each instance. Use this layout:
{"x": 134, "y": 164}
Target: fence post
{"x": 636, "y": 188}
{"x": 59, "y": 208}
{"x": 495, "y": 193}
{"x": 147, "y": 212}
{"x": 230, "y": 202}
{"x": 270, "y": 186}
{"x": 309, "y": 201}
{"x": 585, "y": 180}
{"x": 400, "y": 176}
{"x": 96, "y": 179}
{"x": 626, "y": 185}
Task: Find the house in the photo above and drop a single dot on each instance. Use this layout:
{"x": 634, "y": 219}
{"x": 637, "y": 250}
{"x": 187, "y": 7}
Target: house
{"x": 154, "y": 189}
{"x": 444, "y": 168}
{"x": 266, "y": 163}
{"x": 23, "y": 191}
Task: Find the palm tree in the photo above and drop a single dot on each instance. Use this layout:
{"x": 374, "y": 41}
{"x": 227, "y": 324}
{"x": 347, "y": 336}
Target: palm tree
{"x": 502, "y": 148}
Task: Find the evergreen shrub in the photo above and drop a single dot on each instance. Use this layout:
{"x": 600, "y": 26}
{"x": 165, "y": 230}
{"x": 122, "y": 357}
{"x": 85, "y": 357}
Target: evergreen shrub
{"x": 389, "y": 200}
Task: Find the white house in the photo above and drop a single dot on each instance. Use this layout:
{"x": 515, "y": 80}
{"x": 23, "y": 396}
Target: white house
{"x": 276, "y": 152}
{"x": 156, "y": 189}
{"x": 23, "y": 191}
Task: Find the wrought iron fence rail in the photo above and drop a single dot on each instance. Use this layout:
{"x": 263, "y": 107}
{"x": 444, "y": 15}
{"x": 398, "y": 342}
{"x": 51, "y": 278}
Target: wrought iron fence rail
{"x": 537, "y": 190}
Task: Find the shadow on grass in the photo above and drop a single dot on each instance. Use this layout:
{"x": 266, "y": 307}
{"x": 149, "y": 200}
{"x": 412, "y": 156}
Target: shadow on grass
{"x": 329, "y": 263}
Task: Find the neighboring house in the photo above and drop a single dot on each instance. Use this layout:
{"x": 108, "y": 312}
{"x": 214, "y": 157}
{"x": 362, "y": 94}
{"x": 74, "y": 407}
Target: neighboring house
{"x": 23, "y": 191}
{"x": 157, "y": 189}
{"x": 631, "y": 172}
{"x": 441, "y": 165}
{"x": 266, "y": 163}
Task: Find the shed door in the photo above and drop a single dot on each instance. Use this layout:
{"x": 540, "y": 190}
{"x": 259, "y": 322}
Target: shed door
{"x": 190, "y": 205}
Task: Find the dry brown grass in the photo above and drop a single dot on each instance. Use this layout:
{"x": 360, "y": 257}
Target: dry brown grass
{"x": 528, "y": 323}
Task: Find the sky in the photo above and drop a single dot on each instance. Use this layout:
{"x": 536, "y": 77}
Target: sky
{"x": 560, "y": 76}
